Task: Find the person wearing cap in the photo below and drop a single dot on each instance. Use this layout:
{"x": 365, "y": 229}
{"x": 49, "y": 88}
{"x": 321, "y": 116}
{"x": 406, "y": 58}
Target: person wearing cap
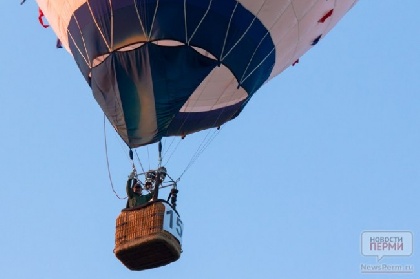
{"x": 134, "y": 193}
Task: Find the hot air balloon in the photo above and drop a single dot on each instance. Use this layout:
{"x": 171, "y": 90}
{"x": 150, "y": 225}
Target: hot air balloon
{"x": 161, "y": 68}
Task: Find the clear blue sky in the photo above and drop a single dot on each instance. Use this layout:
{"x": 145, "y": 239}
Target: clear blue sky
{"x": 323, "y": 152}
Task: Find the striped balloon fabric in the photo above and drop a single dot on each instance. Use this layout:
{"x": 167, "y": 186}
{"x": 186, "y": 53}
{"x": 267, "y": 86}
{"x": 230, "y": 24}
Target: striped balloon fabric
{"x": 161, "y": 68}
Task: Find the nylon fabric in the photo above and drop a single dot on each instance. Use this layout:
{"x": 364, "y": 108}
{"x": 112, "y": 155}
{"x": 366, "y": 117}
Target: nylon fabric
{"x": 161, "y": 68}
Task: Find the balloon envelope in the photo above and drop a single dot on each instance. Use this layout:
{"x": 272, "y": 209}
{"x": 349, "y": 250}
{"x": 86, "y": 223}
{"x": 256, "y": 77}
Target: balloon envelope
{"x": 162, "y": 68}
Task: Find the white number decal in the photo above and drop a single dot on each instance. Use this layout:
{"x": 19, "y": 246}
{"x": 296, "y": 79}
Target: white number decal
{"x": 172, "y": 223}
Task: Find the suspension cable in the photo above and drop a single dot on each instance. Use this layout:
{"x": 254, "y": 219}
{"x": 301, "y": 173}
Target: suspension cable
{"x": 173, "y": 152}
{"x": 107, "y": 163}
{"x": 203, "y": 146}
{"x": 148, "y": 155}
{"x": 138, "y": 159}
{"x": 169, "y": 147}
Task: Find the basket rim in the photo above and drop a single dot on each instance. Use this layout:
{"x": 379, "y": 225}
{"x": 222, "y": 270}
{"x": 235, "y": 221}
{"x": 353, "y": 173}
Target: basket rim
{"x": 149, "y": 203}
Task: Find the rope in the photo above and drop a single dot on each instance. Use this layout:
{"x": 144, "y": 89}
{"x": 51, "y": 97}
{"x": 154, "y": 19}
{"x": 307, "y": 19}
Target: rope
{"x": 203, "y": 146}
{"x": 169, "y": 147}
{"x": 211, "y": 135}
{"x": 199, "y": 24}
{"x": 148, "y": 155}
{"x": 153, "y": 20}
{"x": 112, "y": 24}
{"x": 138, "y": 159}
{"x": 97, "y": 26}
{"x": 172, "y": 153}
{"x": 227, "y": 29}
{"x": 240, "y": 39}
{"x": 107, "y": 164}
{"x": 140, "y": 21}
{"x": 185, "y": 21}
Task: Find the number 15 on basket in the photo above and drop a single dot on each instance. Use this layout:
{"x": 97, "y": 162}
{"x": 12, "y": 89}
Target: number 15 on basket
{"x": 172, "y": 223}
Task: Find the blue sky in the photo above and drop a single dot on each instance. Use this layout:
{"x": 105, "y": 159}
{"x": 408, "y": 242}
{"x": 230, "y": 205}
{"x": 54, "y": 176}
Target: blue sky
{"x": 323, "y": 152}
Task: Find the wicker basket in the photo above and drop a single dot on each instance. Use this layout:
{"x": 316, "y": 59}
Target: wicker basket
{"x": 140, "y": 241}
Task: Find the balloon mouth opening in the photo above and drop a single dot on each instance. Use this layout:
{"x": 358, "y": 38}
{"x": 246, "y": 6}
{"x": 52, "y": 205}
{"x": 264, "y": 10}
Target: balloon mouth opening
{"x": 130, "y": 47}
